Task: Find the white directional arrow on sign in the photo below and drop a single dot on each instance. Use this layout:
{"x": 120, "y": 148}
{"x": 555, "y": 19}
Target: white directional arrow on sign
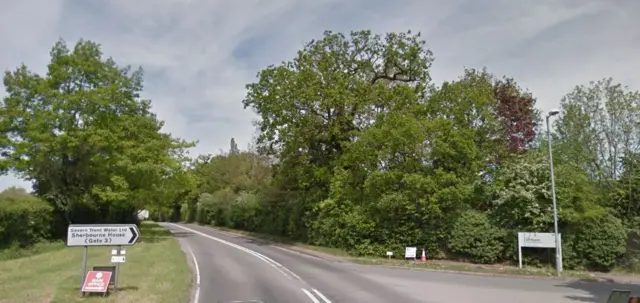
{"x": 102, "y": 234}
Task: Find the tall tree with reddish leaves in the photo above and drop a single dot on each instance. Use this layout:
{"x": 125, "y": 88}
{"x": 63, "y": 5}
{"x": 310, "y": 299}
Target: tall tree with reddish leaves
{"x": 517, "y": 113}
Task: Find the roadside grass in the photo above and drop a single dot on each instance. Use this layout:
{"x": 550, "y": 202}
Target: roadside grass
{"x": 156, "y": 271}
{"x": 441, "y": 265}
{"x": 38, "y": 248}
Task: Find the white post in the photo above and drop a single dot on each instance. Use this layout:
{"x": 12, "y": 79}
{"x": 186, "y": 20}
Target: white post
{"x": 519, "y": 252}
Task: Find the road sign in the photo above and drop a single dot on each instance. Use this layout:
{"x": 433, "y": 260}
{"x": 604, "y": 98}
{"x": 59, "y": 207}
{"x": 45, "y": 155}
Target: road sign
{"x": 118, "y": 259}
{"x": 96, "y": 281}
{"x": 102, "y": 234}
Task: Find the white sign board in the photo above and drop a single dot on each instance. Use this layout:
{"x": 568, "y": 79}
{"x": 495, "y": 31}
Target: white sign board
{"x": 538, "y": 240}
{"x": 410, "y": 252}
{"x": 118, "y": 259}
{"x": 102, "y": 235}
{"x": 143, "y": 214}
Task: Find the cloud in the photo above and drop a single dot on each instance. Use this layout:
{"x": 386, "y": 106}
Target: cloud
{"x": 199, "y": 54}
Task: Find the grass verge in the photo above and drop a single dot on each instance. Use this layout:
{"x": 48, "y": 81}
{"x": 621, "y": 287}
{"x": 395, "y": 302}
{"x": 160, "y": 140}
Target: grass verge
{"x": 441, "y": 265}
{"x": 156, "y": 271}
{"x": 39, "y": 248}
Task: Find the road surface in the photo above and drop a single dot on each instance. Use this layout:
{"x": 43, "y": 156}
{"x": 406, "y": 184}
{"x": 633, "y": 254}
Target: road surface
{"x": 237, "y": 269}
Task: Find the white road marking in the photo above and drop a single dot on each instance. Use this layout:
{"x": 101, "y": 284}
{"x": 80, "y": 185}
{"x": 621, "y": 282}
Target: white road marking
{"x": 283, "y": 270}
{"x": 195, "y": 262}
{"x": 260, "y": 256}
{"x": 321, "y": 295}
{"x": 310, "y": 295}
{"x": 196, "y": 296}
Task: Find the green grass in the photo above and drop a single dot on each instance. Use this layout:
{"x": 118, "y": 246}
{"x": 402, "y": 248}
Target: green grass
{"x": 442, "y": 265}
{"x": 156, "y": 271}
{"x": 39, "y": 248}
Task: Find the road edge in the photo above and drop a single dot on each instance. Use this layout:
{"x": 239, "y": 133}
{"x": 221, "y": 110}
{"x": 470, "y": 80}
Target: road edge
{"x": 186, "y": 249}
{"x": 286, "y": 247}
{"x": 338, "y": 259}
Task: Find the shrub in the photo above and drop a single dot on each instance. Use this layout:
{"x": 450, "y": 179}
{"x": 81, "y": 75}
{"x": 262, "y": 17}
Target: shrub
{"x": 24, "y": 219}
{"x": 600, "y": 241}
{"x": 473, "y": 237}
{"x": 244, "y": 211}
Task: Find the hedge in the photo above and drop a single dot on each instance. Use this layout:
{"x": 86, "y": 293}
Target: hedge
{"x": 24, "y": 219}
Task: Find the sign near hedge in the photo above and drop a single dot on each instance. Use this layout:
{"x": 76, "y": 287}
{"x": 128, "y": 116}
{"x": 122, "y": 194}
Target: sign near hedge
{"x": 538, "y": 240}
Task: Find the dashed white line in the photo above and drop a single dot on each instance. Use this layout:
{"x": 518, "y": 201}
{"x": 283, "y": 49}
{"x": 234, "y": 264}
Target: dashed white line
{"x": 283, "y": 270}
{"x": 196, "y": 296}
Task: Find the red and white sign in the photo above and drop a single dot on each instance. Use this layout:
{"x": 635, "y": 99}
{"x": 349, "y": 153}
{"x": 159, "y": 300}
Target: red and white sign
{"x": 96, "y": 281}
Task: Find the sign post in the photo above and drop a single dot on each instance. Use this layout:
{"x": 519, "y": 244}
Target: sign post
{"x": 96, "y": 281}
{"x": 538, "y": 240}
{"x": 86, "y": 235}
{"x": 410, "y": 252}
{"x": 389, "y": 254}
{"x": 117, "y": 257}
{"x": 84, "y": 268}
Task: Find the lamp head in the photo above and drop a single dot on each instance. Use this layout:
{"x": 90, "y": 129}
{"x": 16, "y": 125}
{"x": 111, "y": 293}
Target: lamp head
{"x": 553, "y": 112}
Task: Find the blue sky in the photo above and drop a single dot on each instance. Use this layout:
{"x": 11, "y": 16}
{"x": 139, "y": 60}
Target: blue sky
{"x": 199, "y": 54}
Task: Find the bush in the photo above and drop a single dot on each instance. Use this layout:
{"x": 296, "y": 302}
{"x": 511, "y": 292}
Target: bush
{"x": 474, "y": 238}
{"x": 215, "y": 208}
{"x": 243, "y": 213}
{"x": 24, "y": 219}
{"x": 600, "y": 241}
{"x": 184, "y": 212}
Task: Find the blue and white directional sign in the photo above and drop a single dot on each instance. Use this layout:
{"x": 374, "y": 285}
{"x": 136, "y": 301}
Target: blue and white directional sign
{"x": 102, "y": 234}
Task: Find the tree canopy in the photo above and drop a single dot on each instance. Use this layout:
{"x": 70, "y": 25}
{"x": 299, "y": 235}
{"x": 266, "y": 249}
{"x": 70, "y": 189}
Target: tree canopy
{"x": 367, "y": 154}
{"x": 357, "y": 149}
{"x": 82, "y": 135}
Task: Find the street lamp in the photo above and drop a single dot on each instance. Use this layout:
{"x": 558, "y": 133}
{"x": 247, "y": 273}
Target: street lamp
{"x": 552, "y": 113}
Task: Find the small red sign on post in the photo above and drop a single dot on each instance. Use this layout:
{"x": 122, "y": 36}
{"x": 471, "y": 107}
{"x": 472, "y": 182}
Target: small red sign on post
{"x": 96, "y": 281}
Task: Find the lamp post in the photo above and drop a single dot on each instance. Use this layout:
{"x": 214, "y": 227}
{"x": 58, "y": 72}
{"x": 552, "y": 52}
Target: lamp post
{"x": 550, "y": 114}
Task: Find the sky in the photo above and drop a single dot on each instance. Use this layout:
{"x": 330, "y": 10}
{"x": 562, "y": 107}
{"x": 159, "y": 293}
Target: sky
{"x": 199, "y": 54}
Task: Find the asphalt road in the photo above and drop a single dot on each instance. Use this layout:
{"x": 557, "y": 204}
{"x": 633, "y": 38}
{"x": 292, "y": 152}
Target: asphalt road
{"x": 237, "y": 269}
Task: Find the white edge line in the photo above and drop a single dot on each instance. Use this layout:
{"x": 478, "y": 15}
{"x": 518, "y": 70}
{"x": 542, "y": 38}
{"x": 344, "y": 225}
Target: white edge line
{"x": 321, "y": 295}
{"x": 196, "y": 296}
{"x": 260, "y": 256}
{"x": 195, "y": 262}
{"x": 310, "y": 295}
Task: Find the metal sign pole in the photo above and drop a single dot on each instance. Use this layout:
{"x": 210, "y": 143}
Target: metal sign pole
{"x": 115, "y": 282}
{"x": 84, "y": 268}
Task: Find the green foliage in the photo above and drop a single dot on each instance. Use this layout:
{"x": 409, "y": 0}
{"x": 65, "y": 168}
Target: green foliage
{"x": 473, "y": 237}
{"x": 92, "y": 148}
{"x": 600, "y": 241}
{"x": 520, "y": 198}
{"x": 24, "y": 219}
{"x": 357, "y": 149}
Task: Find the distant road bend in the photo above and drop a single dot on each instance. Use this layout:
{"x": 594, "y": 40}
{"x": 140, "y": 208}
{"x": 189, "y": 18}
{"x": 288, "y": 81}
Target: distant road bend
{"x": 235, "y": 269}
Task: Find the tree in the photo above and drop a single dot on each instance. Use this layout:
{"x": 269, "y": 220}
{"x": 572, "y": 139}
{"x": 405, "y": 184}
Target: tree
{"x": 517, "y": 113}
{"x": 625, "y": 199}
{"x": 599, "y": 124}
{"x": 313, "y": 107}
{"x": 233, "y": 149}
{"x": 82, "y": 134}
{"x": 357, "y": 149}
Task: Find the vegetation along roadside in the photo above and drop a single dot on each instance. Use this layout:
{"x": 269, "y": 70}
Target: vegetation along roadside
{"x": 362, "y": 153}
